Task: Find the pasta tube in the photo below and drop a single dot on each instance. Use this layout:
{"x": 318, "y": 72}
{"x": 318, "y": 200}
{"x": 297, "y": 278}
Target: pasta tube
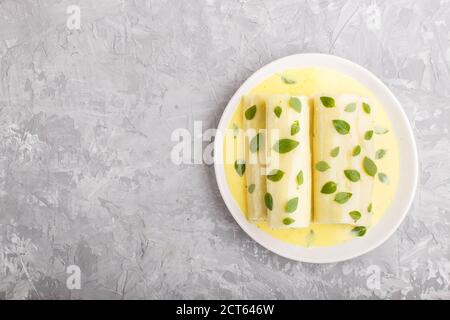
{"x": 254, "y": 117}
{"x": 288, "y": 197}
{"x": 343, "y": 169}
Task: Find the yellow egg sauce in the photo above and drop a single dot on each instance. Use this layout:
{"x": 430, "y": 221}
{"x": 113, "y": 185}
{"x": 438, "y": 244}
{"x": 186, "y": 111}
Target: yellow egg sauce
{"x": 312, "y": 81}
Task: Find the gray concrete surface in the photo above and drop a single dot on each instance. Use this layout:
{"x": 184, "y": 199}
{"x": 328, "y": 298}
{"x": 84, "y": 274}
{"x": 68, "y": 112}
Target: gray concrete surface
{"x": 85, "y": 123}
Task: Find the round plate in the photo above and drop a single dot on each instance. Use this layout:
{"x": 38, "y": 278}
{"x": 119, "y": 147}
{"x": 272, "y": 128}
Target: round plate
{"x": 408, "y": 159}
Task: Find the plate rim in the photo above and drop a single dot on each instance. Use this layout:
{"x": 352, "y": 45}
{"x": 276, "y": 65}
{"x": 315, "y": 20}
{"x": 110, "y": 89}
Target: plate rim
{"x": 323, "y": 254}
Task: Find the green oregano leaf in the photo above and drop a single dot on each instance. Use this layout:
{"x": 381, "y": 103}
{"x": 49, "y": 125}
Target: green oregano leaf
{"x": 369, "y": 166}
{"x": 285, "y": 145}
{"x": 239, "y": 166}
{"x": 328, "y": 102}
{"x": 255, "y": 142}
{"x": 356, "y": 151}
{"x": 368, "y": 135}
{"x": 341, "y": 126}
{"x": 295, "y": 128}
{"x": 278, "y": 111}
{"x": 251, "y": 188}
{"x": 383, "y": 177}
{"x": 335, "y": 152}
{"x": 250, "y": 112}
{"x": 342, "y": 197}
{"x": 355, "y": 215}
{"x": 295, "y": 104}
{"x": 369, "y": 208}
{"x": 275, "y": 175}
{"x": 329, "y": 187}
{"x": 350, "y": 107}
{"x": 287, "y": 221}
{"x": 359, "y": 231}
{"x": 366, "y": 108}
{"x": 322, "y": 166}
{"x": 299, "y": 178}
{"x": 380, "y": 153}
{"x": 352, "y": 175}
{"x": 268, "y": 200}
{"x": 287, "y": 80}
{"x": 291, "y": 205}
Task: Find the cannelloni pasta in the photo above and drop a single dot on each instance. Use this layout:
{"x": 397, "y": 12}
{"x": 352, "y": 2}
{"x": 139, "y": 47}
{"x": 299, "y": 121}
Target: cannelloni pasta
{"x": 291, "y": 184}
{"x": 343, "y": 167}
{"x": 288, "y": 197}
{"x": 254, "y": 118}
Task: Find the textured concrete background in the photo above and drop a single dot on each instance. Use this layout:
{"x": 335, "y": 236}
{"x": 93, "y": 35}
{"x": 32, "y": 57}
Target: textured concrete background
{"x": 85, "y": 123}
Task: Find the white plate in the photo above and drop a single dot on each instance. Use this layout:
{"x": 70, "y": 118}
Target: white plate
{"x": 408, "y": 159}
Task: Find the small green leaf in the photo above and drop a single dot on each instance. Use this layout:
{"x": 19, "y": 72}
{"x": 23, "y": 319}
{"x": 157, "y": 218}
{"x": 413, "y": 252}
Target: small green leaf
{"x": 383, "y": 177}
{"x": 255, "y": 142}
{"x": 380, "y": 130}
{"x": 366, "y": 108}
{"x": 310, "y": 237}
{"x": 355, "y": 215}
{"x": 275, "y": 175}
{"x": 327, "y": 102}
{"x": 356, "y": 151}
{"x": 352, "y": 175}
{"x": 369, "y": 166}
{"x": 251, "y": 188}
{"x": 368, "y": 135}
{"x": 299, "y": 178}
{"x": 287, "y": 80}
{"x": 359, "y": 231}
{"x": 295, "y": 104}
{"x": 278, "y": 111}
{"x": 350, "y": 107}
{"x": 341, "y": 126}
{"x": 268, "y": 200}
{"x": 334, "y": 152}
{"x": 295, "y": 128}
{"x": 287, "y": 221}
{"x": 342, "y": 197}
{"x": 329, "y": 187}
{"x": 250, "y": 112}
{"x": 291, "y": 205}
{"x": 369, "y": 208}
{"x": 380, "y": 153}
{"x": 322, "y": 166}
{"x": 285, "y": 145}
{"x": 239, "y": 166}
